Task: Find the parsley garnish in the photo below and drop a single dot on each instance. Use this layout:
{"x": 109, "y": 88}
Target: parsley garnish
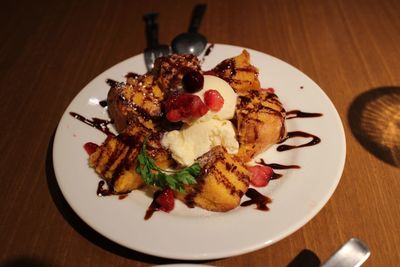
{"x": 154, "y": 175}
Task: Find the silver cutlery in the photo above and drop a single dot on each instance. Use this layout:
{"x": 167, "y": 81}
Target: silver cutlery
{"x": 191, "y": 42}
{"x": 352, "y": 254}
{"x": 154, "y": 49}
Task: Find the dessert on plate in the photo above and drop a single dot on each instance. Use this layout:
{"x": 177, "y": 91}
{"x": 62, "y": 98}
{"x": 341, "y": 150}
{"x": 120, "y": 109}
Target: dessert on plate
{"x": 188, "y": 132}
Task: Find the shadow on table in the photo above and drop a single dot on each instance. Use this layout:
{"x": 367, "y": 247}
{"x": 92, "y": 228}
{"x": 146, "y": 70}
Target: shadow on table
{"x": 374, "y": 119}
{"x": 85, "y": 230}
{"x": 306, "y": 258}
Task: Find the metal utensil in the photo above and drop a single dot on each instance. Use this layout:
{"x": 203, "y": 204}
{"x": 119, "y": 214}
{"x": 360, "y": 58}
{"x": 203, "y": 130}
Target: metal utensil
{"x": 154, "y": 49}
{"x": 191, "y": 42}
{"x": 352, "y": 254}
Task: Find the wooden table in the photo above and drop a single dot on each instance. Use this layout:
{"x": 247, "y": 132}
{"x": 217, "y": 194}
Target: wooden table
{"x": 50, "y": 50}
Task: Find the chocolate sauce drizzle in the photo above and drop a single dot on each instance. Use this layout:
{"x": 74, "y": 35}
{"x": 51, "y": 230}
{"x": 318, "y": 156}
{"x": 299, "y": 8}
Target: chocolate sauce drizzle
{"x": 103, "y": 103}
{"x": 315, "y": 140}
{"x": 300, "y": 114}
{"x": 256, "y": 198}
{"x": 154, "y": 206}
{"x": 112, "y": 83}
{"x": 209, "y": 49}
{"x": 101, "y": 191}
{"x": 219, "y": 178}
{"x": 99, "y": 124}
{"x": 277, "y": 166}
{"x": 207, "y": 53}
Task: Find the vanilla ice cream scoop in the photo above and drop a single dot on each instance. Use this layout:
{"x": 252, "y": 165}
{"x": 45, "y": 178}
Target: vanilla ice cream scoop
{"x": 214, "y": 128}
{"x": 230, "y": 97}
{"x": 194, "y": 140}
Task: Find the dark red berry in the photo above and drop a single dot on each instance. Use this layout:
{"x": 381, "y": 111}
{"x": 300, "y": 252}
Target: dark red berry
{"x": 185, "y": 107}
{"x": 193, "y": 81}
{"x": 166, "y": 200}
{"x": 197, "y": 107}
{"x": 269, "y": 90}
{"x": 174, "y": 115}
{"x": 260, "y": 175}
{"x": 170, "y": 101}
{"x": 90, "y": 147}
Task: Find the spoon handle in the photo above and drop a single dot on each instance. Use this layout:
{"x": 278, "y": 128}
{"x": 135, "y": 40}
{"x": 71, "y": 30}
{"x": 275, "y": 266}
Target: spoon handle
{"x": 151, "y": 29}
{"x": 197, "y": 16}
{"x": 352, "y": 254}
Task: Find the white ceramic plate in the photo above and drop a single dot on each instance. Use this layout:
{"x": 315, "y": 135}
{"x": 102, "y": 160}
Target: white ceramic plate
{"x": 198, "y": 234}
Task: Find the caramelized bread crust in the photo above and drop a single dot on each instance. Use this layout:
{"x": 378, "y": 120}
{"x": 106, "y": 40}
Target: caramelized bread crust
{"x": 260, "y": 122}
{"x": 260, "y": 116}
{"x": 115, "y": 159}
{"x": 221, "y": 184}
{"x": 238, "y": 72}
{"x": 140, "y": 98}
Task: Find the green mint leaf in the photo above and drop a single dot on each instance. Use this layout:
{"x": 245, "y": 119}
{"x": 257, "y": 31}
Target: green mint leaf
{"x": 151, "y": 174}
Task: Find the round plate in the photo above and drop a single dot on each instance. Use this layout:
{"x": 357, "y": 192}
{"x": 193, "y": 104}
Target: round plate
{"x": 197, "y": 234}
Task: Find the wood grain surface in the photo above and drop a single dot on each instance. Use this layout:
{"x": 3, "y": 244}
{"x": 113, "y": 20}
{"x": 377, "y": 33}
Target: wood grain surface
{"x": 50, "y": 50}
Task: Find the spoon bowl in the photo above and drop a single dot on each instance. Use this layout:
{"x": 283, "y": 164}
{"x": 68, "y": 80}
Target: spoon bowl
{"x": 191, "y": 42}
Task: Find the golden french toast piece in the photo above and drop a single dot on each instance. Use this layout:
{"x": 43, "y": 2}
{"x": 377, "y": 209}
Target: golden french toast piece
{"x": 140, "y": 98}
{"x": 221, "y": 184}
{"x": 238, "y": 72}
{"x": 260, "y": 122}
{"x": 115, "y": 159}
{"x": 259, "y": 117}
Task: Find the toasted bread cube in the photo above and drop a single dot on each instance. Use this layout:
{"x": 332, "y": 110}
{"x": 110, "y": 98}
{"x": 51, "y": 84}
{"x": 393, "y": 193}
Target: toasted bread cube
{"x": 238, "y": 72}
{"x": 260, "y": 122}
{"x": 222, "y": 183}
{"x": 115, "y": 160}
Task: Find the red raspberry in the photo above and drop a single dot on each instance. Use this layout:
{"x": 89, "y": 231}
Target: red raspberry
{"x": 184, "y": 107}
{"x": 90, "y": 147}
{"x": 260, "y": 175}
{"x": 165, "y": 199}
{"x": 174, "y": 115}
{"x": 170, "y": 101}
{"x": 269, "y": 90}
{"x": 213, "y": 100}
{"x": 197, "y": 107}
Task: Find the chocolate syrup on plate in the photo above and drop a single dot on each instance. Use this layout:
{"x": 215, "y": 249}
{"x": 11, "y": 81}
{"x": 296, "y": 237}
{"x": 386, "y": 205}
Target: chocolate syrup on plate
{"x": 256, "y": 198}
{"x": 300, "y": 114}
{"x": 208, "y": 51}
{"x": 101, "y": 191}
{"x": 99, "y": 124}
{"x": 154, "y": 206}
{"x": 103, "y": 103}
{"x": 315, "y": 140}
{"x": 277, "y": 166}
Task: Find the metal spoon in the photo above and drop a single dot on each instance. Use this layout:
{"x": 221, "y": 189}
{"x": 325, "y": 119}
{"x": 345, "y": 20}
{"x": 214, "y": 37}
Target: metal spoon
{"x": 191, "y": 42}
{"x": 352, "y": 254}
